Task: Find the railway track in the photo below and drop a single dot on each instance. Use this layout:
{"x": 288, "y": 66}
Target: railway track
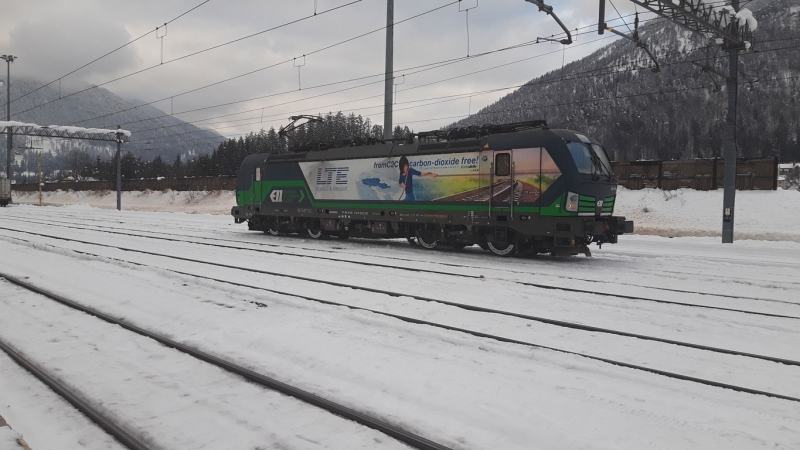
{"x": 119, "y": 432}
{"x": 400, "y": 259}
{"x": 178, "y": 238}
{"x": 472, "y": 308}
{"x": 451, "y": 303}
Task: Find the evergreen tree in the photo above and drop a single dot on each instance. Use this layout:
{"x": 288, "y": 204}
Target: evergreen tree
{"x": 177, "y": 167}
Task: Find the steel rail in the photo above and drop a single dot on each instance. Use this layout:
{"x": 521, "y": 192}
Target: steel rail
{"x": 396, "y": 432}
{"x": 441, "y": 326}
{"x": 274, "y": 252}
{"x": 441, "y": 263}
{"x": 75, "y": 400}
{"x": 536, "y": 285}
{"x": 463, "y": 306}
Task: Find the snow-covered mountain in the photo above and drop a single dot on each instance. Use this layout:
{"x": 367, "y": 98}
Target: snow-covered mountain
{"x": 601, "y": 96}
{"x": 98, "y": 102}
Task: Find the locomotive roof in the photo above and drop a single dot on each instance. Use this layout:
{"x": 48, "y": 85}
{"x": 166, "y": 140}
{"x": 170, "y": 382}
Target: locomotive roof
{"x": 502, "y": 141}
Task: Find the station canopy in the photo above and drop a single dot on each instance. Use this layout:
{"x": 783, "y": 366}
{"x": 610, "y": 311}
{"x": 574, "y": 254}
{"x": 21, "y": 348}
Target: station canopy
{"x": 64, "y": 132}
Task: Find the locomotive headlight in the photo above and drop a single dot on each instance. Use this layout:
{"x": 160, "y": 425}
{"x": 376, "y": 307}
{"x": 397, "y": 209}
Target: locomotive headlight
{"x": 572, "y": 202}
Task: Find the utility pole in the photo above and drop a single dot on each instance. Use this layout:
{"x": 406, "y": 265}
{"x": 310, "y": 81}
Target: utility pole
{"x": 736, "y": 32}
{"x": 41, "y": 182}
{"x": 8, "y": 59}
{"x": 387, "y": 108}
{"x": 119, "y": 170}
{"x": 729, "y": 144}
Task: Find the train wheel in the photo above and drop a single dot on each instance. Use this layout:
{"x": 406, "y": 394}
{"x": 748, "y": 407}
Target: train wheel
{"x": 272, "y": 230}
{"x": 316, "y": 232}
{"x": 427, "y": 242}
{"x": 506, "y": 249}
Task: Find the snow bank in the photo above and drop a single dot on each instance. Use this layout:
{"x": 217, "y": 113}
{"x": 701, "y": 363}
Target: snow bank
{"x": 8, "y": 439}
{"x": 193, "y": 202}
{"x": 762, "y": 215}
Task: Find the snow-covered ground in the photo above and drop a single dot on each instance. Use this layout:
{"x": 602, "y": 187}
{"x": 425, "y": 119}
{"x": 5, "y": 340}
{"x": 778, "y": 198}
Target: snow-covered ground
{"x": 192, "y": 202}
{"x": 462, "y": 391}
{"x": 762, "y": 215}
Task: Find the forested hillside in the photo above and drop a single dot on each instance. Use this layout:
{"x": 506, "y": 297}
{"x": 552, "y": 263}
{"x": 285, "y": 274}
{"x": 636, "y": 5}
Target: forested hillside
{"x": 679, "y": 112}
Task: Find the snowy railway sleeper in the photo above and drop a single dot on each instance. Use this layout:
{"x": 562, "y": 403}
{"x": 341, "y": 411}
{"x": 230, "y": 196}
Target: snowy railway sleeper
{"x": 517, "y": 188}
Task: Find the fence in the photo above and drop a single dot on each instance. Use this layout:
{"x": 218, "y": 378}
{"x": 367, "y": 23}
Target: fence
{"x": 176, "y": 184}
{"x": 700, "y": 174}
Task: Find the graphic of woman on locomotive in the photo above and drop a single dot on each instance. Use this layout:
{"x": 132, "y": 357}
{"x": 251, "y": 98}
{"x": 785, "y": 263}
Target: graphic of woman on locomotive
{"x": 407, "y": 179}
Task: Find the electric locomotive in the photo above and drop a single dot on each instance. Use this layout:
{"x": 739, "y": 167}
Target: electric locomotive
{"x": 515, "y": 188}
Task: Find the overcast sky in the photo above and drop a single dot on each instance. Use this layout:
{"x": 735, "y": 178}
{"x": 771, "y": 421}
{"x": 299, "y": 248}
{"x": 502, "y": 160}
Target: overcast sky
{"x": 54, "y": 37}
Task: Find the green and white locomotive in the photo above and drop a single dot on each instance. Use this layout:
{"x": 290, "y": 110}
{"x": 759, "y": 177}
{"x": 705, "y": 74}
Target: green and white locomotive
{"x": 516, "y": 188}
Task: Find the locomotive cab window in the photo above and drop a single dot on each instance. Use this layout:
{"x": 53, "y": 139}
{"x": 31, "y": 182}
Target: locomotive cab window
{"x": 502, "y": 165}
{"x": 590, "y": 159}
{"x": 258, "y": 173}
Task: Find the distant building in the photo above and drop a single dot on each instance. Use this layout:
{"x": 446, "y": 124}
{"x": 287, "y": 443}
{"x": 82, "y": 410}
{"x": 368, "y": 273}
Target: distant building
{"x": 788, "y": 175}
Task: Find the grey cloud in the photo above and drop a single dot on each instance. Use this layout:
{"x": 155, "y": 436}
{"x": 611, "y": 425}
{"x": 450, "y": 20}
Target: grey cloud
{"x": 81, "y": 30}
{"x": 50, "y": 45}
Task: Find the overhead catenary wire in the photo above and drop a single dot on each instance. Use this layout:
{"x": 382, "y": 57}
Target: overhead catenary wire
{"x": 258, "y": 122}
{"x": 436, "y": 65}
{"x": 286, "y": 61}
{"x": 135, "y": 73}
{"x": 590, "y": 72}
{"x": 191, "y": 54}
{"x": 346, "y": 102}
{"x": 107, "y": 54}
{"x": 454, "y": 60}
{"x": 527, "y": 84}
{"x": 206, "y": 119}
{"x": 446, "y": 99}
{"x": 567, "y": 103}
{"x": 620, "y": 15}
{"x": 614, "y": 97}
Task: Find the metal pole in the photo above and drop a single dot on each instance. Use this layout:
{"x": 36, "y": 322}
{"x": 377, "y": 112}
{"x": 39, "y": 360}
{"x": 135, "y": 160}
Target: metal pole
{"x": 40, "y": 177}
{"x": 119, "y": 171}
{"x": 601, "y": 24}
{"x": 8, "y": 59}
{"x": 387, "y": 109}
{"x": 729, "y": 145}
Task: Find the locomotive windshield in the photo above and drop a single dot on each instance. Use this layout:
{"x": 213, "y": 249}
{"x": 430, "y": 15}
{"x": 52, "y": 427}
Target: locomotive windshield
{"x": 591, "y": 159}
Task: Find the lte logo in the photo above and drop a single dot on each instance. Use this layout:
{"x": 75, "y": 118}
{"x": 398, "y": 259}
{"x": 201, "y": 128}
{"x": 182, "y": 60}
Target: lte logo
{"x": 332, "y": 175}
